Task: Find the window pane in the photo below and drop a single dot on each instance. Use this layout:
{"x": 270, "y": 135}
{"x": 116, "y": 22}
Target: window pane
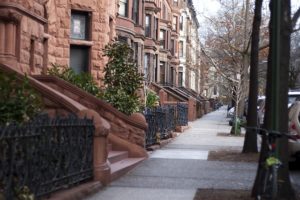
{"x": 162, "y": 37}
{"x": 148, "y": 26}
{"x": 180, "y": 78}
{"x": 146, "y": 66}
{"x": 181, "y": 23}
{"x": 123, "y": 8}
{"x": 181, "y": 49}
{"x": 79, "y": 56}
{"x": 162, "y": 72}
{"x": 79, "y": 26}
{"x": 174, "y": 25}
{"x": 135, "y": 11}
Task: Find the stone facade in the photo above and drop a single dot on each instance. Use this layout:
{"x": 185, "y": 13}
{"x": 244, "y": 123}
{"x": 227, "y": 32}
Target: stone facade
{"x": 165, "y": 42}
{"x": 127, "y": 128}
{"x": 36, "y": 33}
{"x": 189, "y": 48}
{"x": 22, "y": 34}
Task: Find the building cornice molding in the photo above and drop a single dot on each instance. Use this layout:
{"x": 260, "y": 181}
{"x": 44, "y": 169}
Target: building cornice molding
{"x": 19, "y": 9}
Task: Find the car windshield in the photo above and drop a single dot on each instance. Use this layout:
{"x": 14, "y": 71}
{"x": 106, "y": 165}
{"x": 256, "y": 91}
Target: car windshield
{"x": 292, "y": 99}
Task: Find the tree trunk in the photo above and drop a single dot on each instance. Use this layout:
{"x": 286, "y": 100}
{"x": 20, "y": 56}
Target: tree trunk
{"x": 285, "y": 189}
{"x": 250, "y": 142}
{"x": 277, "y": 88}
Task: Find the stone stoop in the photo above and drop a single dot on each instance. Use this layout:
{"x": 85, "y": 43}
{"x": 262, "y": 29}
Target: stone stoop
{"x": 120, "y": 163}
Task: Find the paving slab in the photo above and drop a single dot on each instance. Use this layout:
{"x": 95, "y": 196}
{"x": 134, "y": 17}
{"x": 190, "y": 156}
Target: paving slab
{"x": 117, "y": 193}
{"x": 180, "y": 154}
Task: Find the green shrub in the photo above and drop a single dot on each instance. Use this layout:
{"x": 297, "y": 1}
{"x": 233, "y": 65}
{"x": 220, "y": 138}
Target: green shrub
{"x": 18, "y": 101}
{"x": 151, "y": 99}
{"x": 122, "y": 78}
{"x": 83, "y": 80}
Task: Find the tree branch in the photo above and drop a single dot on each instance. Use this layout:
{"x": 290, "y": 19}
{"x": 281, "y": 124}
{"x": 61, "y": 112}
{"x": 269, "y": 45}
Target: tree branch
{"x": 296, "y": 30}
{"x": 263, "y": 47}
{"x": 217, "y": 68}
{"x": 295, "y": 18}
{"x": 230, "y": 45}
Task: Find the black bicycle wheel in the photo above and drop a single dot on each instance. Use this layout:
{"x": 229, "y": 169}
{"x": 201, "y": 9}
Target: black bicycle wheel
{"x": 274, "y": 183}
{"x": 270, "y": 186}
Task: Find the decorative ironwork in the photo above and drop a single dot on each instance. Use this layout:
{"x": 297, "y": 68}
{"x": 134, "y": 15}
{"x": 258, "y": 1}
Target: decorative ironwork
{"x": 170, "y": 118}
{"x": 45, "y": 155}
{"x": 151, "y": 131}
{"x": 163, "y": 120}
{"x": 160, "y": 121}
{"x": 182, "y": 114}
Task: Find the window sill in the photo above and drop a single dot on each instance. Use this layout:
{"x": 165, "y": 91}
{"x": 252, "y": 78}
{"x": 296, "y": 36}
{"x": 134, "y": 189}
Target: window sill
{"x": 81, "y": 42}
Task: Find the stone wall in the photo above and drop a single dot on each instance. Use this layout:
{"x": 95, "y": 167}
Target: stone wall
{"x": 36, "y": 33}
{"x": 128, "y": 128}
{"x": 102, "y": 30}
{"x": 22, "y": 34}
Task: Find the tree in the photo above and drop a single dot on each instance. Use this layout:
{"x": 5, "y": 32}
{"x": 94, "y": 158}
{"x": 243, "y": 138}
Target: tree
{"x": 227, "y": 48}
{"x": 122, "y": 79}
{"x": 250, "y": 142}
{"x": 276, "y": 115}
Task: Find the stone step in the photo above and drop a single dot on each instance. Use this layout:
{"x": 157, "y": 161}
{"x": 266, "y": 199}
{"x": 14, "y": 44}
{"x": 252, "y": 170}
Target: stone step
{"x": 116, "y": 156}
{"x": 122, "y": 167}
{"x": 109, "y": 147}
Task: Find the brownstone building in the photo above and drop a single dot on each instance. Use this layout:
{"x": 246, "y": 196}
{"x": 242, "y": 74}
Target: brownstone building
{"x": 36, "y": 33}
{"x": 163, "y": 34}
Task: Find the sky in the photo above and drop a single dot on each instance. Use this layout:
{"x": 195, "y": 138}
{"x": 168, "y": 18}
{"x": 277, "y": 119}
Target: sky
{"x": 210, "y": 7}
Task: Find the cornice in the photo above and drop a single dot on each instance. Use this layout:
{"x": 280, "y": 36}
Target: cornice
{"x": 21, "y": 9}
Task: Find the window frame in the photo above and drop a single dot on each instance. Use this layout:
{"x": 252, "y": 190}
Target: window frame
{"x": 148, "y": 26}
{"x": 181, "y": 49}
{"x": 162, "y": 38}
{"x": 135, "y": 11}
{"x": 87, "y": 20}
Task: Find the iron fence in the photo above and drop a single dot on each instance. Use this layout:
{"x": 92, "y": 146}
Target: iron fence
{"x": 182, "y": 114}
{"x": 45, "y": 155}
{"x": 162, "y": 120}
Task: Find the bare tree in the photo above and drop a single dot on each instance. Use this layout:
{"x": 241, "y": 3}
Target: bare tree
{"x": 250, "y": 142}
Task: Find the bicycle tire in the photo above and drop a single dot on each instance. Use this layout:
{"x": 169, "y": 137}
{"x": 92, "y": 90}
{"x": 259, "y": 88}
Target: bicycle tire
{"x": 274, "y": 182}
{"x": 270, "y": 185}
{"x": 266, "y": 183}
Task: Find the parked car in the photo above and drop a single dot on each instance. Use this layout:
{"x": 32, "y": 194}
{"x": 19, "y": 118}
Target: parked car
{"x": 260, "y": 111}
{"x": 261, "y": 102}
{"x": 294, "y": 128}
{"x": 293, "y": 95}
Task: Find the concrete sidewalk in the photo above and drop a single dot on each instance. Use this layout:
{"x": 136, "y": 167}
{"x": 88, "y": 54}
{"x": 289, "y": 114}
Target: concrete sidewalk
{"x": 176, "y": 171}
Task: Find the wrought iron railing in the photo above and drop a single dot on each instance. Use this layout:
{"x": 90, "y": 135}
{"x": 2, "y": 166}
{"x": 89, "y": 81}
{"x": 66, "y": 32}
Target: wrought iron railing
{"x": 163, "y": 120}
{"x": 150, "y": 116}
{"x": 45, "y": 155}
{"x": 182, "y": 114}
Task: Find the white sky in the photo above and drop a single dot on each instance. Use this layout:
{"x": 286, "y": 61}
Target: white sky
{"x": 210, "y": 7}
{"x": 206, "y": 7}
